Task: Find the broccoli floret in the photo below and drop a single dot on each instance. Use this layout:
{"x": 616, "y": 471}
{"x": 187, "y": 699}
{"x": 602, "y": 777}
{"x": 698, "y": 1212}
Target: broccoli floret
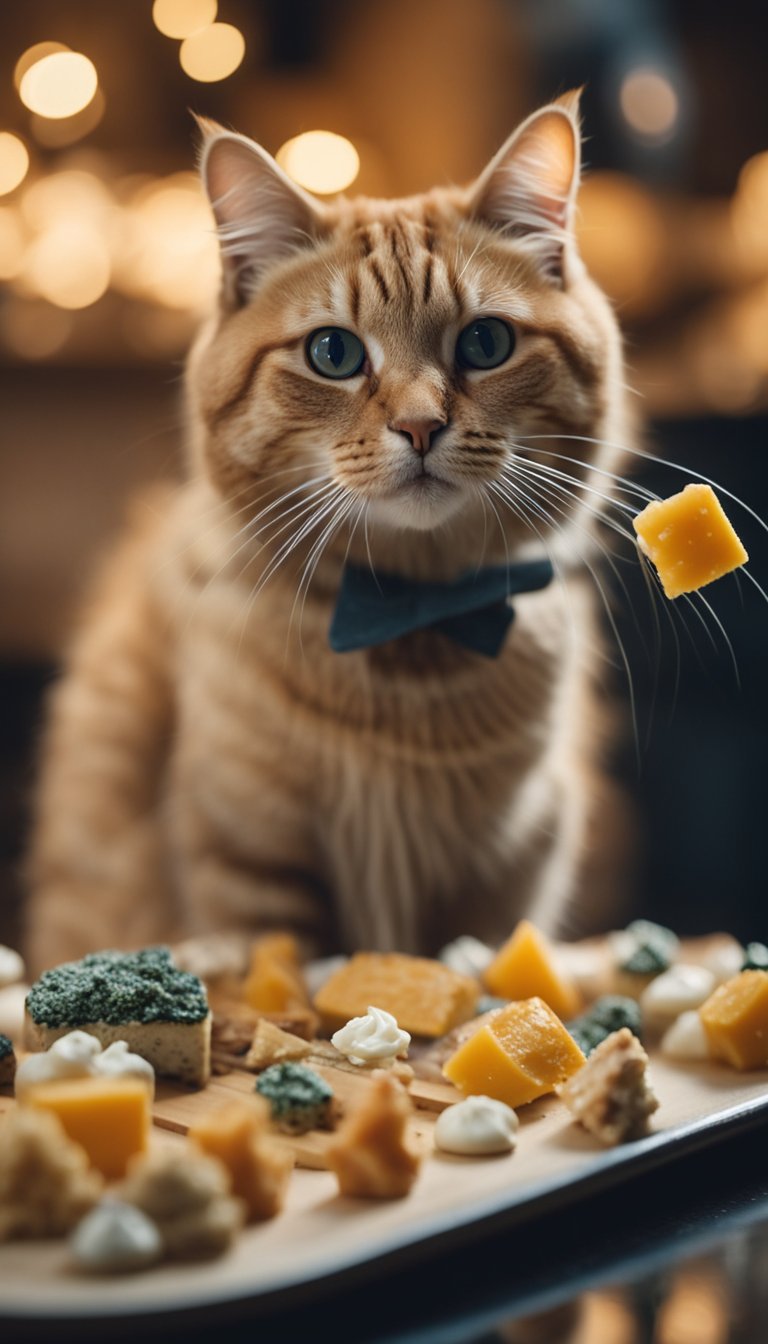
{"x": 755, "y": 957}
{"x": 608, "y": 1014}
{"x": 6, "y": 1046}
{"x": 656, "y": 948}
{"x": 299, "y": 1097}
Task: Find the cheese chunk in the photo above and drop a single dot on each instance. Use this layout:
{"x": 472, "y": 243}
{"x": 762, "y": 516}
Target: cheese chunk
{"x": 427, "y": 998}
{"x": 259, "y": 1168}
{"x": 689, "y": 539}
{"x": 520, "y": 1054}
{"x": 524, "y": 967}
{"x": 108, "y": 1117}
{"x": 735, "y": 1019}
{"x": 275, "y": 983}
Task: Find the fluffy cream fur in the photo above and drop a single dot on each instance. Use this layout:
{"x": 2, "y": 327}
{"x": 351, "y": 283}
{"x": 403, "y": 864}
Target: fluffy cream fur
{"x": 211, "y": 768}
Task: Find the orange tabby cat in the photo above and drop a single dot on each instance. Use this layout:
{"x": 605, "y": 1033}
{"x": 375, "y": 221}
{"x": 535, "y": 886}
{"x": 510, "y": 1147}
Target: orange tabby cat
{"x": 370, "y": 391}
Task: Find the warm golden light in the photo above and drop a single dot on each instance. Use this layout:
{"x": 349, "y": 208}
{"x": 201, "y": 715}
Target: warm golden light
{"x": 320, "y": 161}
{"x": 32, "y": 55}
{"x": 622, "y": 239}
{"x": 169, "y": 254}
{"x": 212, "y": 53}
{"x": 67, "y": 130}
{"x": 32, "y": 328}
{"x": 649, "y": 102}
{"x": 72, "y": 194}
{"x": 68, "y": 265}
{"x": 181, "y": 18}
{"x": 11, "y": 242}
{"x": 14, "y": 162}
{"x": 59, "y": 85}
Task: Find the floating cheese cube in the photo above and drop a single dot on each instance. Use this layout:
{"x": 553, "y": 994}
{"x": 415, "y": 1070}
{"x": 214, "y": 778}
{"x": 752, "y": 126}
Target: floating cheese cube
{"x": 427, "y": 998}
{"x": 735, "y": 1019}
{"x": 524, "y": 967}
{"x": 108, "y": 1117}
{"x": 519, "y": 1055}
{"x": 689, "y": 539}
{"x": 275, "y": 983}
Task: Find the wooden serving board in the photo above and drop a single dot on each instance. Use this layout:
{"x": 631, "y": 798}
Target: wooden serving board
{"x": 176, "y": 1109}
{"x": 318, "y": 1234}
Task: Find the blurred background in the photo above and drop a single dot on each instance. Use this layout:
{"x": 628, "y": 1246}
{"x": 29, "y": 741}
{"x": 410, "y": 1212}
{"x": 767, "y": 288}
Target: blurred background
{"x": 107, "y": 260}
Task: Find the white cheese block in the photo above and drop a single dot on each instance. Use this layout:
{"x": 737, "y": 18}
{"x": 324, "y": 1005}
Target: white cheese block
{"x": 174, "y": 1049}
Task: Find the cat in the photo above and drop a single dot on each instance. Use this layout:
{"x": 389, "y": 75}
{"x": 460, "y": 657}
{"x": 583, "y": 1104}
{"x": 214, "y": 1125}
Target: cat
{"x": 384, "y": 385}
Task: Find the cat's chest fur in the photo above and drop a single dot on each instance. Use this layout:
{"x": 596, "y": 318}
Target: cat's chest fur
{"x": 419, "y": 783}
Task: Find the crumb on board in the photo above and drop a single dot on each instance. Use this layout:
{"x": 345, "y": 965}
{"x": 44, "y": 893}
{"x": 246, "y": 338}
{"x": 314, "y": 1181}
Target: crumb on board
{"x": 611, "y": 1095}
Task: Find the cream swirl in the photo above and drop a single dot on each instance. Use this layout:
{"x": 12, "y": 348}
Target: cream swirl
{"x": 115, "y": 1236}
{"x": 476, "y": 1127}
{"x": 79, "y": 1055}
{"x": 373, "y": 1039}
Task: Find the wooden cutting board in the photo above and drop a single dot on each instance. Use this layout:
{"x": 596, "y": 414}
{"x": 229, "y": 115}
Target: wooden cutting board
{"x": 176, "y": 1108}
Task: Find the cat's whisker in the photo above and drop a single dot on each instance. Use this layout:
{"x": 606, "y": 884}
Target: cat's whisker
{"x": 532, "y": 471}
{"x": 544, "y": 513}
{"x": 313, "y": 560}
{"x": 368, "y": 548}
{"x": 649, "y": 457}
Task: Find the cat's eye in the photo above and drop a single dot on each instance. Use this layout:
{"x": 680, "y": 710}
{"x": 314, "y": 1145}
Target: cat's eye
{"x": 485, "y": 343}
{"x": 335, "y": 353}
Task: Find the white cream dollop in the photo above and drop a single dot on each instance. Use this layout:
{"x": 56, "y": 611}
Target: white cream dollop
{"x": 11, "y": 967}
{"x": 373, "y": 1039}
{"x": 477, "y": 1127}
{"x": 79, "y": 1055}
{"x": 12, "y": 1008}
{"x": 676, "y": 991}
{"x": 686, "y": 1038}
{"x": 115, "y": 1236}
{"x": 118, "y": 1062}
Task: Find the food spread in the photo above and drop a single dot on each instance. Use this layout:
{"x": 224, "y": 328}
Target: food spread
{"x": 283, "y": 1097}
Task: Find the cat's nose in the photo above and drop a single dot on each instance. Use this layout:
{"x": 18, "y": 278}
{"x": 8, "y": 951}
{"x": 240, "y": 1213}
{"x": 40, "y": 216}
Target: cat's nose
{"x": 420, "y": 432}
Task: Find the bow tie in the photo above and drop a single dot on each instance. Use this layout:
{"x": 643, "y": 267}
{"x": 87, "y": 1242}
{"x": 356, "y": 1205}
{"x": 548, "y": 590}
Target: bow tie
{"x": 472, "y": 610}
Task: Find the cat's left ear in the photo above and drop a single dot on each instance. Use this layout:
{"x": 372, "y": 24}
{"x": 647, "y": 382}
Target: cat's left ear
{"x": 262, "y": 216}
{"x": 529, "y": 189}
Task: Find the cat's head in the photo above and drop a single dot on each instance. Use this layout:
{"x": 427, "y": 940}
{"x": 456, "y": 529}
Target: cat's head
{"x": 398, "y": 357}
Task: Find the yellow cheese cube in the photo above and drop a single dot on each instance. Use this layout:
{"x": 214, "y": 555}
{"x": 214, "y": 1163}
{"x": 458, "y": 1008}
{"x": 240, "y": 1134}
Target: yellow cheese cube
{"x": 426, "y": 997}
{"x": 524, "y": 968}
{"x": 275, "y": 983}
{"x": 689, "y": 539}
{"x": 519, "y": 1055}
{"x": 108, "y": 1117}
{"x": 735, "y": 1019}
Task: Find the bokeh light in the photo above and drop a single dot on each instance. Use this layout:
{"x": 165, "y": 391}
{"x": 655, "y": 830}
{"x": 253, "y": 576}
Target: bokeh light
{"x": 321, "y": 161}
{"x": 32, "y": 55}
{"x": 59, "y": 85}
{"x": 69, "y": 264}
{"x": 14, "y": 162}
{"x": 11, "y": 242}
{"x": 67, "y": 130}
{"x": 212, "y": 53}
{"x": 73, "y": 193}
{"x": 622, "y": 239}
{"x": 649, "y": 102}
{"x": 32, "y": 328}
{"x": 168, "y": 253}
{"x": 181, "y": 18}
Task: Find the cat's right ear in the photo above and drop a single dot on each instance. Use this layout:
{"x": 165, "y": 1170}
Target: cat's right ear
{"x": 261, "y": 215}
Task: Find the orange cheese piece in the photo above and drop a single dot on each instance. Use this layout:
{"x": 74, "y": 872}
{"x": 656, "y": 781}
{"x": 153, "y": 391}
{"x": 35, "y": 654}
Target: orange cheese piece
{"x": 689, "y": 539}
{"x": 524, "y": 967}
{"x": 519, "y": 1055}
{"x": 275, "y": 983}
{"x": 108, "y": 1117}
{"x": 238, "y": 1135}
{"x": 735, "y": 1019}
{"x": 426, "y": 997}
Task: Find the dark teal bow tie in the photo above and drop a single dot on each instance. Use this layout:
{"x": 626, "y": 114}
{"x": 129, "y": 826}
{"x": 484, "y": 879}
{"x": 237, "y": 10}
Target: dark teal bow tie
{"x": 472, "y": 610}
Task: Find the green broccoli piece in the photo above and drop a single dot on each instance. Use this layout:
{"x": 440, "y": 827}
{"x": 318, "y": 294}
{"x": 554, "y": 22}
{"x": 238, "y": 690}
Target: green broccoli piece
{"x": 299, "y": 1097}
{"x": 755, "y": 957}
{"x": 655, "y": 951}
{"x": 607, "y": 1014}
